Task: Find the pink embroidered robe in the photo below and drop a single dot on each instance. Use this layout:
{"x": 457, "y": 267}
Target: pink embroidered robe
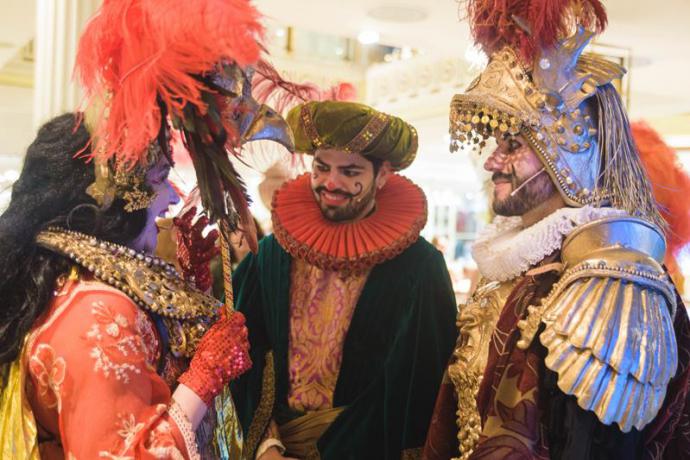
{"x": 92, "y": 381}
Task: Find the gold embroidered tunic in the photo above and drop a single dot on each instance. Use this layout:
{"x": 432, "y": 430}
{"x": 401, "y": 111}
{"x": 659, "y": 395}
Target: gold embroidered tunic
{"x": 321, "y": 307}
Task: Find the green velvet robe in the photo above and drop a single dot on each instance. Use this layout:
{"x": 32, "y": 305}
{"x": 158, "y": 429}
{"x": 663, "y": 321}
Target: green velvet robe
{"x": 399, "y": 341}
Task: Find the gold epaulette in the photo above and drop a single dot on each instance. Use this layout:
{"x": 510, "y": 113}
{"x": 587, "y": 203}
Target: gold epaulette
{"x": 608, "y": 321}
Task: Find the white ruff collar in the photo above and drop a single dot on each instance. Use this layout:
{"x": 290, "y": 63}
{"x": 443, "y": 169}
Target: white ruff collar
{"x": 505, "y": 249}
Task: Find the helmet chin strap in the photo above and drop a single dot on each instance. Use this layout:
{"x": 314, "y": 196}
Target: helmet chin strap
{"x": 527, "y": 181}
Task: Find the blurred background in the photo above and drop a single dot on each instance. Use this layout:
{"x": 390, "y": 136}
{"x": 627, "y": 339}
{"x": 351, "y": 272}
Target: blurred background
{"x": 405, "y": 57}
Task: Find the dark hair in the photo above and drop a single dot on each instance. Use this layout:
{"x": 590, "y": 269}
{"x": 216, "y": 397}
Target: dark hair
{"x": 376, "y": 163}
{"x": 50, "y": 191}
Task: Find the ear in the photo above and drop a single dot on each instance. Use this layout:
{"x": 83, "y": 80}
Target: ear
{"x": 385, "y": 172}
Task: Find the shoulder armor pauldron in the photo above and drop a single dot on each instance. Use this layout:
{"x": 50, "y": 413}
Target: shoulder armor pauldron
{"x": 608, "y": 321}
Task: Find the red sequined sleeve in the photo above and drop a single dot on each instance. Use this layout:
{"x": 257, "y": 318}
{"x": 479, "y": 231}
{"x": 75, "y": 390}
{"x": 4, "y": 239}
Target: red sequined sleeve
{"x": 94, "y": 386}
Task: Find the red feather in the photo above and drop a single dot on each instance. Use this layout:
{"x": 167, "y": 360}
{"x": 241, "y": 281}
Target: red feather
{"x": 341, "y": 92}
{"x": 269, "y": 85}
{"x": 670, "y": 184}
{"x": 137, "y": 51}
{"x": 499, "y": 23}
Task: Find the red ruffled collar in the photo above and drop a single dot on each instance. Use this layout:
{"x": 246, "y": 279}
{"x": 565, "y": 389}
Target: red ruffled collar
{"x": 353, "y": 247}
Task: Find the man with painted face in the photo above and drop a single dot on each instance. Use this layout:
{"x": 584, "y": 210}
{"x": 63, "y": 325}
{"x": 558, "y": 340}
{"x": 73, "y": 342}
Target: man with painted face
{"x": 350, "y": 311}
{"x": 575, "y": 343}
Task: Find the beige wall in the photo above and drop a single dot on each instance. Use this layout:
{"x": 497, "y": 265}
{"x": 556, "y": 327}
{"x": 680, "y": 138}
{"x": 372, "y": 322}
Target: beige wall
{"x": 16, "y": 113}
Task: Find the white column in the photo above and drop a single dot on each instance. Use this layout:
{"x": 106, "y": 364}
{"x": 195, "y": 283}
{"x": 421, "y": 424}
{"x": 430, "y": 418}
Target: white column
{"x": 59, "y": 24}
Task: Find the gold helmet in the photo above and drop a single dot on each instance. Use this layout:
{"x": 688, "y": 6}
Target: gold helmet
{"x": 560, "y": 100}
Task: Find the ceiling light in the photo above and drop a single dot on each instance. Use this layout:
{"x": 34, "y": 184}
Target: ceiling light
{"x": 406, "y": 53}
{"x": 368, "y": 37}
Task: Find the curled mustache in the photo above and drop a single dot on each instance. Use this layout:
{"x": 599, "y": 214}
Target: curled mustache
{"x": 498, "y": 176}
{"x": 337, "y": 191}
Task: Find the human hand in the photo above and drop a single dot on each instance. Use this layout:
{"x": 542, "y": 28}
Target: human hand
{"x": 273, "y": 453}
{"x": 222, "y": 355}
{"x": 195, "y": 251}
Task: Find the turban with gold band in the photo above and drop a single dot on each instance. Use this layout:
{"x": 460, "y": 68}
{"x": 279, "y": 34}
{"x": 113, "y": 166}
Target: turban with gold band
{"x": 354, "y": 128}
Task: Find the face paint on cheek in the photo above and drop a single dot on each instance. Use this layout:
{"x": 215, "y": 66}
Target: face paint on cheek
{"x": 357, "y": 195}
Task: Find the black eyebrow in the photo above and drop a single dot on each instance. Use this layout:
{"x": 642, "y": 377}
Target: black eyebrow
{"x": 352, "y": 166}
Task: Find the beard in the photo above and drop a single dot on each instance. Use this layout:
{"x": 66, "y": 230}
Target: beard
{"x": 527, "y": 198}
{"x": 354, "y": 208}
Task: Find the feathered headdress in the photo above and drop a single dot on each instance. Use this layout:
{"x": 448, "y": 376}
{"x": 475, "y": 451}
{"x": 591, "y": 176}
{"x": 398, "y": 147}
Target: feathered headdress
{"x": 187, "y": 62}
{"x": 528, "y": 26}
{"x": 147, "y": 57}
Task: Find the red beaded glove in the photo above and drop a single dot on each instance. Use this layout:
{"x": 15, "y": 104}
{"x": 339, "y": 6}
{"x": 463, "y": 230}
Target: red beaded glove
{"x": 222, "y": 355}
{"x": 195, "y": 251}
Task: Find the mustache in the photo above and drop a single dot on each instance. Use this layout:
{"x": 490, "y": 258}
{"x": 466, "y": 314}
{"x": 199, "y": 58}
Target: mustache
{"x": 336, "y": 191}
{"x": 499, "y": 176}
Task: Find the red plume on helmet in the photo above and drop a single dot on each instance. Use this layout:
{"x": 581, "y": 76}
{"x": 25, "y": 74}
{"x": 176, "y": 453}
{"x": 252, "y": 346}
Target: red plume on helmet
{"x": 144, "y": 55}
{"x": 670, "y": 185}
{"x": 530, "y": 25}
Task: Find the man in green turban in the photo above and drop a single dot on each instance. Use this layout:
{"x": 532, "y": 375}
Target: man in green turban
{"x": 350, "y": 312}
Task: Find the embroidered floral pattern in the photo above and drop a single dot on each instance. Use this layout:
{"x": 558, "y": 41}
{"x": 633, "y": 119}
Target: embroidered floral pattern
{"x": 321, "y": 307}
{"x": 129, "y": 429}
{"x": 49, "y": 373}
{"x": 145, "y": 329}
{"x": 92, "y": 367}
{"x": 120, "y": 347}
{"x": 160, "y": 442}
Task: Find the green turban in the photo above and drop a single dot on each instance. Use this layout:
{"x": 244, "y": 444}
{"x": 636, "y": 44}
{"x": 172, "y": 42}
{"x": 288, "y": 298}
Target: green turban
{"x": 353, "y": 128}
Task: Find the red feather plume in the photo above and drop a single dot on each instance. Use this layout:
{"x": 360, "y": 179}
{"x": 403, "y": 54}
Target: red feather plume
{"x": 671, "y": 186}
{"x": 143, "y": 53}
{"x": 269, "y": 86}
{"x": 529, "y": 25}
{"x": 670, "y": 183}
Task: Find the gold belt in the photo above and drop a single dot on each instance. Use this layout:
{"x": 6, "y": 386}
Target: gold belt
{"x": 299, "y": 436}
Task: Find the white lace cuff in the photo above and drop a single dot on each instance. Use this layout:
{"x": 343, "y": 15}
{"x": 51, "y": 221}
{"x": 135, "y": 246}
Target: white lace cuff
{"x": 185, "y": 426}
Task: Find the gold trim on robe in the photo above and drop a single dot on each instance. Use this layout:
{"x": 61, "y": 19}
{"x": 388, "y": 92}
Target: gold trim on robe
{"x": 18, "y": 431}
